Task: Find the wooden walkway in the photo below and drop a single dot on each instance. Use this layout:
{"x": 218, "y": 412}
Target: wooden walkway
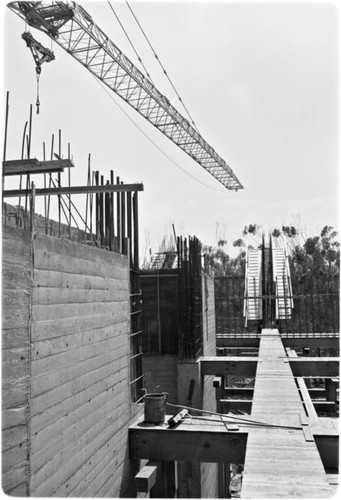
{"x": 280, "y": 462}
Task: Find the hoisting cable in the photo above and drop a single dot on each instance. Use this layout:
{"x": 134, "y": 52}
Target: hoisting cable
{"x": 131, "y": 43}
{"x": 40, "y": 55}
{"x": 163, "y": 68}
{"x": 111, "y": 96}
{"x": 38, "y": 71}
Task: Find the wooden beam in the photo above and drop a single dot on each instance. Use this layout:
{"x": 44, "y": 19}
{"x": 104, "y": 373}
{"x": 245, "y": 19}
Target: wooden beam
{"x": 325, "y": 342}
{"x": 305, "y": 396}
{"x": 146, "y": 478}
{"x": 227, "y": 405}
{"x": 34, "y": 166}
{"x": 240, "y": 341}
{"x": 319, "y": 340}
{"x": 314, "y": 367}
{"x": 239, "y": 392}
{"x": 106, "y": 188}
{"x": 317, "y": 392}
{"x": 304, "y": 393}
{"x": 324, "y": 406}
{"x": 228, "y": 365}
{"x": 194, "y": 441}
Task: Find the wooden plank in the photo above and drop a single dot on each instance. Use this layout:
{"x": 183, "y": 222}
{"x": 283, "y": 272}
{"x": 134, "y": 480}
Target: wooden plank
{"x": 107, "y": 188}
{"x": 228, "y": 365}
{"x": 202, "y": 442}
{"x": 269, "y": 469}
{"x": 34, "y": 166}
{"x": 146, "y": 477}
{"x": 315, "y": 367}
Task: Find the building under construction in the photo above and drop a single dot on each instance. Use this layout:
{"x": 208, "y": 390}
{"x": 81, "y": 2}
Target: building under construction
{"x": 166, "y": 381}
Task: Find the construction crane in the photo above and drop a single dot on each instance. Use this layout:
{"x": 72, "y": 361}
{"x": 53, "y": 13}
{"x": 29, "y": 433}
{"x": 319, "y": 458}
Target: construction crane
{"x": 71, "y": 27}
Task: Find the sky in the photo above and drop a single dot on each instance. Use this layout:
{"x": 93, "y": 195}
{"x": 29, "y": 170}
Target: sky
{"x": 260, "y": 81}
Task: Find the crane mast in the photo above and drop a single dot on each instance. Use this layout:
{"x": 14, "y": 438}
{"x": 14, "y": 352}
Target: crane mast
{"x": 71, "y": 27}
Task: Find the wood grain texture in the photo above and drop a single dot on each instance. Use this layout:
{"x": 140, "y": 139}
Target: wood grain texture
{"x": 279, "y": 461}
{"x": 16, "y": 297}
{"x": 80, "y": 368}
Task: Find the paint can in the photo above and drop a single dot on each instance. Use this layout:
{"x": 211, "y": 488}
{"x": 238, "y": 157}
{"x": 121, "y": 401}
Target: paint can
{"x": 155, "y": 407}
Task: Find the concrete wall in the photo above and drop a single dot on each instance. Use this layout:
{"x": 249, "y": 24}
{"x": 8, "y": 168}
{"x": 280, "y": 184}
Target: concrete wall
{"x": 209, "y": 472}
{"x": 77, "y": 409}
{"x": 160, "y": 375}
{"x": 16, "y": 286}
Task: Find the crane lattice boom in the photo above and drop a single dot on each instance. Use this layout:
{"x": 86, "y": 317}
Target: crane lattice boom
{"x": 75, "y": 31}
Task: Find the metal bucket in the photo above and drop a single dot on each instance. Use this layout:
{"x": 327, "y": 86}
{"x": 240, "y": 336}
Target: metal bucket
{"x": 155, "y": 407}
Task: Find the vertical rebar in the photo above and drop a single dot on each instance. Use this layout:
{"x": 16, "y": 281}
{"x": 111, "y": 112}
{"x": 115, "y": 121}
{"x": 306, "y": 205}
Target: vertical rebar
{"x": 22, "y": 157}
{"x": 5, "y": 145}
{"x": 107, "y": 218}
{"x": 59, "y": 179}
{"x": 123, "y": 223}
{"x": 101, "y": 212}
{"x": 118, "y": 218}
{"x": 97, "y": 215}
{"x": 87, "y": 199}
{"x": 44, "y": 158}
{"x": 112, "y": 215}
{"x": 129, "y": 229}
{"x": 50, "y": 178}
{"x": 32, "y": 207}
{"x": 136, "y": 231}
{"x": 69, "y": 183}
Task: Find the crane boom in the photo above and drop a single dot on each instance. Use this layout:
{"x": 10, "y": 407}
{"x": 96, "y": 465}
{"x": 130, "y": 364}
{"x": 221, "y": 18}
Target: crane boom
{"x": 75, "y": 31}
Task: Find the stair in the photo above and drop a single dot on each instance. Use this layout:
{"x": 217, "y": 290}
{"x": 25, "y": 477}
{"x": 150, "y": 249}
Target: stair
{"x": 281, "y": 276}
{"x": 253, "y": 286}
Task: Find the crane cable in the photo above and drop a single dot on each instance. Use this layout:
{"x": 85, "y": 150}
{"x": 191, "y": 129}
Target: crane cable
{"x": 131, "y": 43}
{"x": 163, "y": 68}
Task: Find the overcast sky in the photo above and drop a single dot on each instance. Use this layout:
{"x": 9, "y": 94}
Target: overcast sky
{"x": 260, "y": 81}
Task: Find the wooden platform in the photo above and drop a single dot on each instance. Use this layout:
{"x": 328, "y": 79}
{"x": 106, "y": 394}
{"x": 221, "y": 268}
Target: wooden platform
{"x": 280, "y": 462}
